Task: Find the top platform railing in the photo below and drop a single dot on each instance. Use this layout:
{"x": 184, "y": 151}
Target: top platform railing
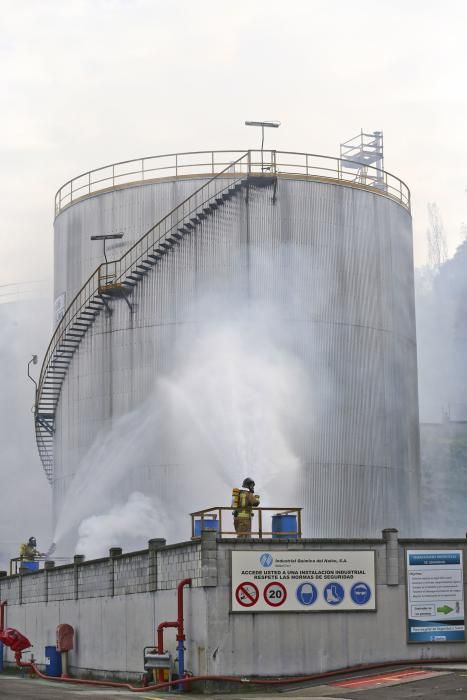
{"x": 208, "y": 163}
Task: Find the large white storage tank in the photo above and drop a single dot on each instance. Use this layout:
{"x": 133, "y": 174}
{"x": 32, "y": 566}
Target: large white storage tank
{"x": 320, "y": 250}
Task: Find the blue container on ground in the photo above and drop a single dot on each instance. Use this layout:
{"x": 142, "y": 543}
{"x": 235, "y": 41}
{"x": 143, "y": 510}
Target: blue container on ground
{"x": 31, "y": 565}
{"x": 53, "y": 662}
{"x": 283, "y": 524}
{"x": 208, "y": 524}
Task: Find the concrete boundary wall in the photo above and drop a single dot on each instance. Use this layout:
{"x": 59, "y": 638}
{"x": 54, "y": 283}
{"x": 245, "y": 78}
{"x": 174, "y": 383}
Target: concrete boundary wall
{"x": 116, "y": 603}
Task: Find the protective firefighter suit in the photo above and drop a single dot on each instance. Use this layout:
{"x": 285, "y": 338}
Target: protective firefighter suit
{"x": 28, "y": 551}
{"x": 244, "y": 500}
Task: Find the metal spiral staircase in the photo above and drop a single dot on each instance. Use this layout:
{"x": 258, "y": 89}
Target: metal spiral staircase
{"x": 118, "y": 279}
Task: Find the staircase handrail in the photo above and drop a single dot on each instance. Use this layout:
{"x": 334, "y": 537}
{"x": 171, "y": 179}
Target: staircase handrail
{"x": 90, "y": 288}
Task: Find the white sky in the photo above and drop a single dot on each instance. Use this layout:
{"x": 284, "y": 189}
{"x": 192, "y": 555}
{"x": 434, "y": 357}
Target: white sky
{"x": 89, "y": 82}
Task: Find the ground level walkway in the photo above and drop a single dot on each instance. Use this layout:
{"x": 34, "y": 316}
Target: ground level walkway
{"x": 433, "y": 683}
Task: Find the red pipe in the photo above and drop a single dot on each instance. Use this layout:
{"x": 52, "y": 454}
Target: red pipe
{"x": 160, "y": 634}
{"x": 180, "y": 587}
{"x": 2, "y": 615}
{"x": 179, "y": 622}
{"x": 235, "y": 679}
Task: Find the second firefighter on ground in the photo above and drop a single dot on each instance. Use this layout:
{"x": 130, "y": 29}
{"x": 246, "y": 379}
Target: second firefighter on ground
{"x": 243, "y": 502}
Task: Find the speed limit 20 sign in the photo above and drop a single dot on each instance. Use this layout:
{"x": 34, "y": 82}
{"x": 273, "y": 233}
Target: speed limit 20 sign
{"x": 275, "y": 594}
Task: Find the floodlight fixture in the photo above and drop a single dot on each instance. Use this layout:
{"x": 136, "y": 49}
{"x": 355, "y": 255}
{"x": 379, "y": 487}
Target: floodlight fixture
{"x": 271, "y": 124}
{"x": 107, "y": 237}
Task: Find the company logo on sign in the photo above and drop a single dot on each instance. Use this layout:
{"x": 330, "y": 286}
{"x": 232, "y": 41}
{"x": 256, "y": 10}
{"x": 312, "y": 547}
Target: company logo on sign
{"x": 266, "y": 559}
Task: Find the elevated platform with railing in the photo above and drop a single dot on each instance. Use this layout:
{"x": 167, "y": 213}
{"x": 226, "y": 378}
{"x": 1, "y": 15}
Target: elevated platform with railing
{"x": 19, "y": 565}
{"x": 267, "y": 523}
{"x": 208, "y": 164}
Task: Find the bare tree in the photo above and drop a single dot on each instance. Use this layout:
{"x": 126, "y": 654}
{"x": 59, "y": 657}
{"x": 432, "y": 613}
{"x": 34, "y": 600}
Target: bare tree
{"x": 436, "y": 238}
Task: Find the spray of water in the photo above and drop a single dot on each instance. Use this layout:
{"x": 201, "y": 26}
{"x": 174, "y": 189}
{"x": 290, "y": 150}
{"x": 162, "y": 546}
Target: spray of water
{"x": 224, "y": 412}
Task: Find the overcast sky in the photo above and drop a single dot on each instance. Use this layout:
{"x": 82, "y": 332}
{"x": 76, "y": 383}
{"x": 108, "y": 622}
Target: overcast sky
{"x": 90, "y": 82}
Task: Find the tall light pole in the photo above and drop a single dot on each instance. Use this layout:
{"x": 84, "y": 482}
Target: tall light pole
{"x": 33, "y": 361}
{"x": 270, "y": 124}
{"x": 106, "y": 237}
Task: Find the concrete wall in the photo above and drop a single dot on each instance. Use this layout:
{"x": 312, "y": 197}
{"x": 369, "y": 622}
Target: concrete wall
{"x": 115, "y": 605}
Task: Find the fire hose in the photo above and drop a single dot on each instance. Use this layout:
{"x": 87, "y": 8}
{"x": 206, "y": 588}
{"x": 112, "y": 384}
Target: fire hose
{"x": 19, "y": 643}
{"x": 235, "y": 679}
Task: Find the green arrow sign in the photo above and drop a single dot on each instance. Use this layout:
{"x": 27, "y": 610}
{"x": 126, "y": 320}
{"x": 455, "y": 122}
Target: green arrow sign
{"x": 445, "y": 609}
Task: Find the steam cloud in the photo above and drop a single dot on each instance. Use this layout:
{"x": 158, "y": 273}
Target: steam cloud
{"x": 125, "y": 522}
{"x": 224, "y": 412}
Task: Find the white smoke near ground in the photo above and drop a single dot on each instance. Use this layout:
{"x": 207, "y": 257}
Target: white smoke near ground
{"x": 127, "y": 522}
{"x": 226, "y": 410}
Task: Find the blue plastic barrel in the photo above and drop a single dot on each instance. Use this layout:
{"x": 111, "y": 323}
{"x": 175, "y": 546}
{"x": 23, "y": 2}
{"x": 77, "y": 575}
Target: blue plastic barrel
{"x": 208, "y": 524}
{"x": 53, "y": 662}
{"x": 283, "y": 524}
{"x": 30, "y": 565}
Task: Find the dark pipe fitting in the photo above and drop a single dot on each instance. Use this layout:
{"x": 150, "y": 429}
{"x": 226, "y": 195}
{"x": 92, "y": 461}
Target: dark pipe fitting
{"x": 2, "y": 615}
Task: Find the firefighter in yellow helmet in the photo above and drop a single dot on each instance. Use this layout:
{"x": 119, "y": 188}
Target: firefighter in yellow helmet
{"x": 28, "y": 551}
{"x": 243, "y": 502}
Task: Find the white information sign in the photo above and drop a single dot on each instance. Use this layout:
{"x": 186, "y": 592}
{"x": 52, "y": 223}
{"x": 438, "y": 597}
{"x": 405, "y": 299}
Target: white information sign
{"x": 435, "y": 592}
{"x": 303, "y": 581}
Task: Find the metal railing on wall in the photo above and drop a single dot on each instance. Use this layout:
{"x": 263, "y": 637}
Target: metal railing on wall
{"x": 209, "y": 163}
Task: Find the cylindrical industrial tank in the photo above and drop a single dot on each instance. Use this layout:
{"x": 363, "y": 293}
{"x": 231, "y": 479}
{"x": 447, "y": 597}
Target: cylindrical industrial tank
{"x": 333, "y": 256}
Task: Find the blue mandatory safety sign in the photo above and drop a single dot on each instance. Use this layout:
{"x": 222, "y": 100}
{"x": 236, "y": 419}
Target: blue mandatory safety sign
{"x": 266, "y": 559}
{"x": 334, "y": 593}
{"x": 360, "y": 593}
{"x": 307, "y": 593}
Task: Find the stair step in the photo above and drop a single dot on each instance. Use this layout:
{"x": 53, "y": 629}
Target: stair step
{"x": 171, "y": 239}
{"x": 177, "y": 236}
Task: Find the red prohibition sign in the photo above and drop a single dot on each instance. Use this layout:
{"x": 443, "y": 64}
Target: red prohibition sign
{"x": 275, "y": 594}
{"x": 247, "y": 594}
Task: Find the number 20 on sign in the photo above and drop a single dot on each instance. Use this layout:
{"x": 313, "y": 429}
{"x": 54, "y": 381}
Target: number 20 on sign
{"x": 275, "y": 594}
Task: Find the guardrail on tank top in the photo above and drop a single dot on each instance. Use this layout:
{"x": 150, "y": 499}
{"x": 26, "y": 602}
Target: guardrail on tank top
{"x": 209, "y": 163}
